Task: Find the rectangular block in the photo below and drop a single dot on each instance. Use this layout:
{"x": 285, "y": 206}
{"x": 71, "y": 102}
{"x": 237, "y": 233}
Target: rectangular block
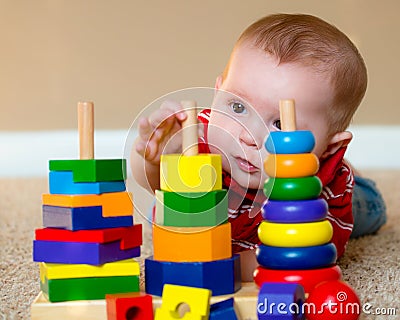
{"x": 87, "y": 288}
{"x": 81, "y": 252}
{"x": 92, "y": 170}
{"x": 189, "y": 209}
{"x": 130, "y": 237}
{"x": 42, "y": 309}
{"x": 201, "y": 173}
{"x": 113, "y": 204}
{"x": 51, "y": 271}
{"x": 123, "y": 306}
{"x": 81, "y": 218}
{"x": 197, "y": 244}
{"x": 61, "y": 182}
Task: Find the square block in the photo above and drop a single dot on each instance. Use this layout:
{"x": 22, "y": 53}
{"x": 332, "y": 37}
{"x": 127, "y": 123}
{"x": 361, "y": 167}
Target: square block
{"x": 198, "y": 300}
{"x": 61, "y": 182}
{"x": 200, "y": 173}
{"x": 191, "y": 209}
{"x": 81, "y": 218}
{"x": 134, "y": 305}
{"x": 113, "y": 204}
{"x": 220, "y": 276}
{"x": 130, "y": 237}
{"x": 51, "y": 271}
{"x": 223, "y": 310}
{"x": 92, "y": 170}
{"x": 57, "y": 290}
{"x": 194, "y": 244}
{"x": 81, "y": 252}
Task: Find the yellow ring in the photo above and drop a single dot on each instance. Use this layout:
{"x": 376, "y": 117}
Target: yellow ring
{"x": 291, "y": 165}
{"x": 295, "y": 234}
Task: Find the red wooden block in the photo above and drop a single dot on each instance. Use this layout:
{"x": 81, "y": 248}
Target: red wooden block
{"x": 131, "y": 306}
{"x": 130, "y": 237}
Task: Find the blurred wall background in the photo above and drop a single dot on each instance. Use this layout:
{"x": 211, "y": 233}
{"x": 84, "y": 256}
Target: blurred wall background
{"x": 124, "y": 54}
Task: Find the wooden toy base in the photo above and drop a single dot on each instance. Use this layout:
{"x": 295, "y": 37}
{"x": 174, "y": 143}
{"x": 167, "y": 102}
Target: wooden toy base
{"x": 42, "y": 309}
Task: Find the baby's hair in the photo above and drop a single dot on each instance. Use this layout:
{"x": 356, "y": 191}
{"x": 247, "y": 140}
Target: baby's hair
{"x": 310, "y": 41}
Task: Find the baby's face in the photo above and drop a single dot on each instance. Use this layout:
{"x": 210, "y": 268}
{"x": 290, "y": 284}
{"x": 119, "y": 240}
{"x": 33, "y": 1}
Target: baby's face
{"x": 241, "y": 121}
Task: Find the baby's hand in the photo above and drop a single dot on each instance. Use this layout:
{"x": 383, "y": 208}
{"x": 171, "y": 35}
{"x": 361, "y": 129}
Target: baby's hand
{"x": 156, "y": 132}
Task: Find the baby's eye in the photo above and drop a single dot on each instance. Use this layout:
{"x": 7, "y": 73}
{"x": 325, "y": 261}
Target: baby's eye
{"x": 277, "y": 124}
{"x": 237, "y": 107}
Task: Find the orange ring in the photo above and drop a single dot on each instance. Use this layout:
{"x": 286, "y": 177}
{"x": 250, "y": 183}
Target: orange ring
{"x": 291, "y": 165}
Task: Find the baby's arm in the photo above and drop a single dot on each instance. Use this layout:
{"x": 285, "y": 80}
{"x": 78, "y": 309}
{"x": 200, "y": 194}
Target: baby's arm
{"x": 157, "y": 134}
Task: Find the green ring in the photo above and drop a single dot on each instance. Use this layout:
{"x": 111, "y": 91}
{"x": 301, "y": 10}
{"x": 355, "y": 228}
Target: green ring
{"x": 292, "y": 188}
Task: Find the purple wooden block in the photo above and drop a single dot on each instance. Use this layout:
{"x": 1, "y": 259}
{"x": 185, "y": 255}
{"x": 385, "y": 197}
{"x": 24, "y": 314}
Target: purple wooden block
{"x": 80, "y": 252}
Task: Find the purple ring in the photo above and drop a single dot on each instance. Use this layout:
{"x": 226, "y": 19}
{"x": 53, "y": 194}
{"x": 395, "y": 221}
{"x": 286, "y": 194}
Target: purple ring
{"x": 294, "y": 211}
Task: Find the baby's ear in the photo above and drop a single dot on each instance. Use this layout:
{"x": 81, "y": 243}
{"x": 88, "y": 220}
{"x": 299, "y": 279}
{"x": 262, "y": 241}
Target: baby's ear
{"x": 218, "y": 82}
{"x": 339, "y": 140}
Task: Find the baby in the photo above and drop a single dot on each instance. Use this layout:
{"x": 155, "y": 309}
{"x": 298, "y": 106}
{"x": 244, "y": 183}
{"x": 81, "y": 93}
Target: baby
{"x": 281, "y": 56}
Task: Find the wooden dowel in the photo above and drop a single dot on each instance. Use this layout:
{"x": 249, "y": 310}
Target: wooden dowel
{"x": 287, "y": 115}
{"x": 86, "y": 130}
{"x": 189, "y": 129}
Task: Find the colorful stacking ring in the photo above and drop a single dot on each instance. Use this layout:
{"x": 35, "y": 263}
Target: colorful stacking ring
{"x": 291, "y": 165}
{"x": 293, "y": 188}
{"x": 290, "y": 142}
{"x": 297, "y": 258}
{"x": 307, "y": 278}
{"x": 294, "y": 211}
{"x": 295, "y": 234}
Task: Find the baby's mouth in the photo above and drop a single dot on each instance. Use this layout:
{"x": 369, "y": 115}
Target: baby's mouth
{"x": 246, "y": 165}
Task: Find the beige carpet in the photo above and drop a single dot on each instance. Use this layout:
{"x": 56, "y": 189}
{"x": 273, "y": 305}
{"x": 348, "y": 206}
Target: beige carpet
{"x": 371, "y": 264}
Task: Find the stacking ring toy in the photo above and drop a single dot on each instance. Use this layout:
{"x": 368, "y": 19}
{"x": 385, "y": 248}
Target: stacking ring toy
{"x": 307, "y": 278}
{"x": 293, "y": 188}
{"x": 295, "y": 234}
{"x": 294, "y": 211}
{"x": 292, "y": 165}
{"x": 297, "y": 258}
{"x": 290, "y": 142}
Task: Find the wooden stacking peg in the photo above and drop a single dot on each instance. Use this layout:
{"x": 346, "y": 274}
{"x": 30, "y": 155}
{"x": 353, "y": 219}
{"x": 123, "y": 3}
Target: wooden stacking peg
{"x": 189, "y": 129}
{"x": 86, "y": 130}
{"x": 287, "y": 115}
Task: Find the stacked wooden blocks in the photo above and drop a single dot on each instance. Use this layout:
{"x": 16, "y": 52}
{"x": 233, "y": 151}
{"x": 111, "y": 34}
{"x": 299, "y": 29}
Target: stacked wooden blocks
{"x": 295, "y": 233}
{"x": 191, "y": 234}
{"x": 88, "y": 241}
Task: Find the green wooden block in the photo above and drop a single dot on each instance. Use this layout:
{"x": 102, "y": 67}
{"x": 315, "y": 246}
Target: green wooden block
{"x": 57, "y": 290}
{"x": 92, "y": 170}
{"x": 191, "y": 209}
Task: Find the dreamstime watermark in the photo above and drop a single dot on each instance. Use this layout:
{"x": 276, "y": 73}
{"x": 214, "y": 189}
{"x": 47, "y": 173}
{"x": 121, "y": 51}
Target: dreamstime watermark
{"x": 342, "y": 306}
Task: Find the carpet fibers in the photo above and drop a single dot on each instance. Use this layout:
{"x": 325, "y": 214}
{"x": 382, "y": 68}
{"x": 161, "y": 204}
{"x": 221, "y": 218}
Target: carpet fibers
{"x": 370, "y": 265}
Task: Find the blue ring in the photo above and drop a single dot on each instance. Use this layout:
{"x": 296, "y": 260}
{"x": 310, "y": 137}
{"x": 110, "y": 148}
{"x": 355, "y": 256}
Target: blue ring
{"x": 294, "y": 211}
{"x": 300, "y": 258}
{"x": 289, "y": 142}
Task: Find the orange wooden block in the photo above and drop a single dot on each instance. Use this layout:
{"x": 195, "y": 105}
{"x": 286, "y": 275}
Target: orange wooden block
{"x": 113, "y": 204}
{"x": 192, "y": 244}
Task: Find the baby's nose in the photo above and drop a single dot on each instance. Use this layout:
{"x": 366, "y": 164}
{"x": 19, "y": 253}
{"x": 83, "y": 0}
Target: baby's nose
{"x": 247, "y": 138}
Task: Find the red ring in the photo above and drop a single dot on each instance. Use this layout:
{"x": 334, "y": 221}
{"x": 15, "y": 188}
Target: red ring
{"x": 307, "y": 278}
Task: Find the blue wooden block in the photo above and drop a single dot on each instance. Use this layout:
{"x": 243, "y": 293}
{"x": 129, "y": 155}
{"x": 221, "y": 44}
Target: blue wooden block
{"x": 80, "y": 252}
{"x": 83, "y": 218}
{"x": 62, "y": 182}
{"x": 219, "y": 276}
{"x": 280, "y": 301}
{"x": 223, "y": 310}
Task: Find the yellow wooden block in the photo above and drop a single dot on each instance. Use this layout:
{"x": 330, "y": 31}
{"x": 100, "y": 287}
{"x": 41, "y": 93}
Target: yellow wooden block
{"x": 200, "y": 173}
{"x": 197, "y": 299}
{"x": 113, "y": 204}
{"x": 192, "y": 244}
{"x": 128, "y": 267}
